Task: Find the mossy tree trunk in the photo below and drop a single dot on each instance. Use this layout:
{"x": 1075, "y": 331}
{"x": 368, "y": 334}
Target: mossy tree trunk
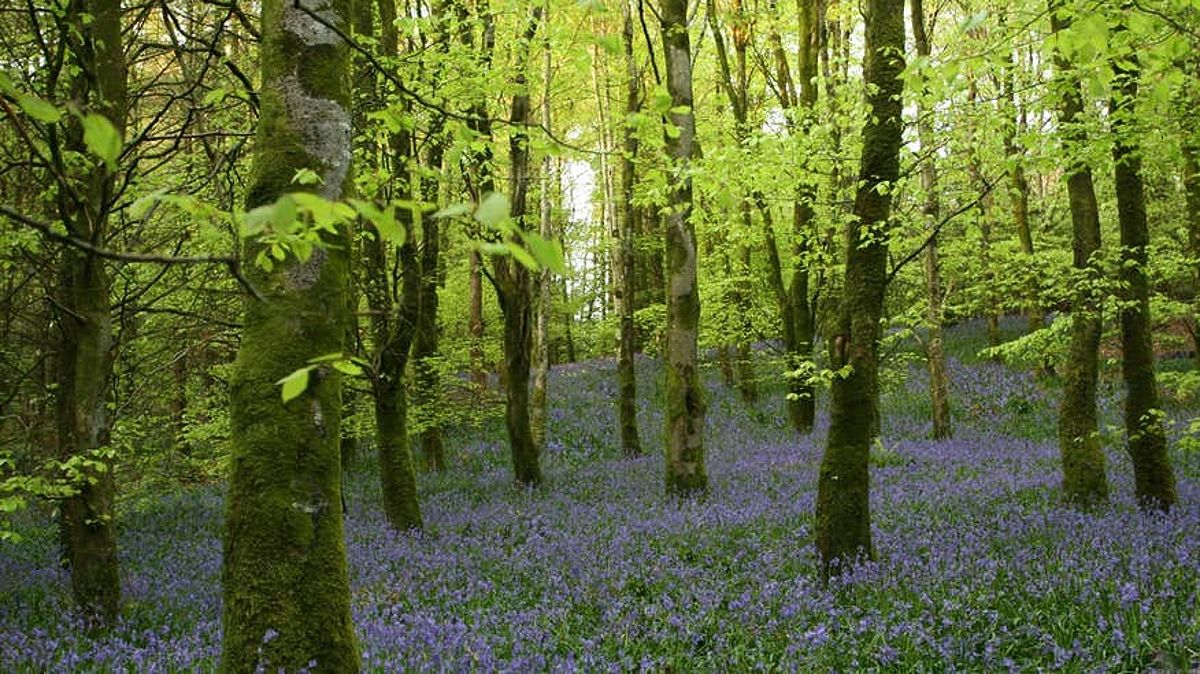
{"x": 843, "y": 520}
{"x": 685, "y": 405}
{"x": 395, "y": 315}
{"x": 1084, "y": 480}
{"x": 623, "y": 249}
{"x": 514, "y": 286}
{"x": 1154, "y": 478}
{"x": 85, "y": 358}
{"x": 935, "y": 355}
{"x": 286, "y": 587}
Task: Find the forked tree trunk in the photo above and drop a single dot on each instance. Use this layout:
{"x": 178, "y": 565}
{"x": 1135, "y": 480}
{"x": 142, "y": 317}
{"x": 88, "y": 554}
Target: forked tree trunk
{"x": 843, "y": 520}
{"x": 285, "y": 558}
{"x": 514, "y": 286}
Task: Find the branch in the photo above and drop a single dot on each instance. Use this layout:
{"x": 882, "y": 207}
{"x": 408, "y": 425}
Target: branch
{"x": 232, "y": 262}
{"x": 989, "y": 185}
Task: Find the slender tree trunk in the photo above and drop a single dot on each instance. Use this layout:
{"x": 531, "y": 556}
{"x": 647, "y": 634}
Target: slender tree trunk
{"x": 1191, "y": 183}
{"x": 795, "y": 309}
{"x": 514, "y": 285}
{"x": 1019, "y": 186}
{"x": 1153, "y": 475}
{"x": 685, "y": 404}
{"x": 984, "y": 213}
{"x": 285, "y": 559}
{"x": 843, "y": 521}
{"x": 623, "y": 257}
{"x": 545, "y": 282}
{"x": 1084, "y": 481}
{"x": 479, "y": 374}
{"x": 425, "y": 342}
{"x": 939, "y": 386}
{"x": 736, "y": 357}
{"x": 85, "y": 358}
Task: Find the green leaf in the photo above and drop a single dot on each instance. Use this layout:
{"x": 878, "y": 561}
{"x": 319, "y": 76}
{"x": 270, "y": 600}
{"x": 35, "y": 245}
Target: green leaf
{"x": 549, "y": 254}
{"x": 348, "y": 368}
{"x": 102, "y": 138}
{"x": 38, "y": 108}
{"x": 522, "y": 256}
{"x": 215, "y": 96}
{"x": 294, "y": 384}
{"x": 493, "y": 210}
{"x": 307, "y": 177}
{"x": 453, "y": 211}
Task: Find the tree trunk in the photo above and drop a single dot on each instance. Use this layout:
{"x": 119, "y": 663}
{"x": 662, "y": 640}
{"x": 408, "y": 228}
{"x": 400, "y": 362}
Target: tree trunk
{"x": 286, "y": 586}
{"x": 939, "y": 387}
{"x": 685, "y": 406}
{"x": 1153, "y": 475}
{"x": 843, "y": 522}
{"x": 792, "y": 294}
{"x": 1019, "y": 186}
{"x": 545, "y": 282}
{"x": 623, "y": 257}
{"x": 85, "y": 358}
{"x": 1084, "y": 481}
{"x": 1191, "y": 184}
{"x": 514, "y": 285}
{"x": 425, "y": 343}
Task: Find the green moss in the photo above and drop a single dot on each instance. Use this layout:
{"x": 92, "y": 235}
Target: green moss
{"x": 287, "y": 600}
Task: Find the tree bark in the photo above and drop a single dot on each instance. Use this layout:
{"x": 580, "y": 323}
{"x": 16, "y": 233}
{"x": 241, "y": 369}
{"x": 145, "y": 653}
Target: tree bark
{"x": 1154, "y": 478}
{"x": 86, "y": 350}
{"x": 843, "y": 521}
{"x": 935, "y": 355}
{"x": 1084, "y": 480}
{"x": 685, "y": 406}
{"x": 545, "y": 281}
{"x": 286, "y": 586}
{"x": 514, "y": 285}
{"x": 623, "y": 251}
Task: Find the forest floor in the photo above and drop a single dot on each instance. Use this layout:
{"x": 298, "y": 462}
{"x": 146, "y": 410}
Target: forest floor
{"x": 980, "y": 567}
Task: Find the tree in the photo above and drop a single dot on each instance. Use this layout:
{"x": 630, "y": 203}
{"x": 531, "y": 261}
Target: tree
{"x": 843, "y": 520}
{"x": 935, "y": 355}
{"x": 395, "y": 316}
{"x": 684, "y": 397}
{"x": 286, "y": 589}
{"x": 514, "y": 282}
{"x": 1153, "y": 475}
{"x": 1084, "y": 481}
{"x": 623, "y": 248}
{"x": 85, "y": 356}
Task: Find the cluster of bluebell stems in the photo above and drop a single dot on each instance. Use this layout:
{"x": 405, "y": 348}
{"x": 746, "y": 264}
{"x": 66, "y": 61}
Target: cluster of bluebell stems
{"x": 980, "y": 567}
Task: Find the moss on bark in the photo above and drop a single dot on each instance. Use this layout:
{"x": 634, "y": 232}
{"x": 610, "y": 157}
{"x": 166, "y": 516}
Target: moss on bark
{"x": 1084, "y": 480}
{"x": 843, "y": 520}
{"x": 286, "y": 588}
